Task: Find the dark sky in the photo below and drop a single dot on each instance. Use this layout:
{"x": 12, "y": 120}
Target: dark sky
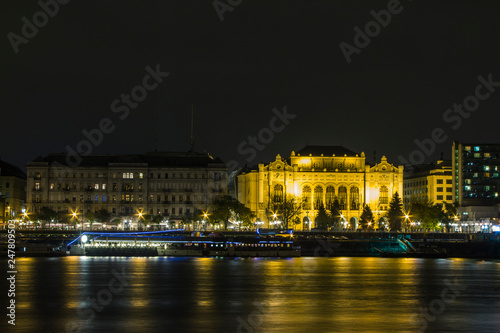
{"x": 264, "y": 55}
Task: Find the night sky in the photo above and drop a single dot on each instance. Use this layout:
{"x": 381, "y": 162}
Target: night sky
{"x": 263, "y": 55}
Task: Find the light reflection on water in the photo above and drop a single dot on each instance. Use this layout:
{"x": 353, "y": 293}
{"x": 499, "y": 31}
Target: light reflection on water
{"x": 254, "y": 295}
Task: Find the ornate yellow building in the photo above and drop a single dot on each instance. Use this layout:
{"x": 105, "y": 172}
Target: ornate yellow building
{"x": 319, "y": 175}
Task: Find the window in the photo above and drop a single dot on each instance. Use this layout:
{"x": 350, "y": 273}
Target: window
{"x": 477, "y": 148}
{"x": 52, "y": 186}
{"x": 96, "y": 186}
{"x": 486, "y": 155}
{"x": 477, "y": 155}
{"x": 104, "y": 198}
{"x": 173, "y": 210}
{"x": 449, "y": 197}
{"x": 180, "y": 211}
{"x": 151, "y": 198}
{"x": 217, "y": 176}
{"x": 173, "y": 198}
{"x": 141, "y": 175}
{"x": 439, "y": 189}
{"x": 306, "y": 197}
{"x": 448, "y": 181}
{"x": 181, "y": 198}
{"x": 383, "y": 195}
{"x": 278, "y": 193}
{"x": 96, "y": 198}
{"x": 318, "y": 197}
{"x": 440, "y": 197}
{"x": 439, "y": 181}
{"x": 354, "y": 198}
{"x": 343, "y": 197}
{"x": 449, "y": 189}
{"x": 128, "y": 175}
{"x": 330, "y": 196}
{"x": 103, "y": 186}
{"x": 37, "y": 186}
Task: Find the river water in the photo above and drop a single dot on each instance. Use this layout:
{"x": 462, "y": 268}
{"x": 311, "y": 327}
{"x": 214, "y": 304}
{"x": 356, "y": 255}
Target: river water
{"x": 166, "y": 294}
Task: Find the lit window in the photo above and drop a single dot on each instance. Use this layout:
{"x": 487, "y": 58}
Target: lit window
{"x": 141, "y": 175}
{"x": 477, "y": 155}
{"x": 467, "y": 187}
{"x": 128, "y": 175}
{"x": 439, "y": 189}
{"x": 486, "y": 168}
{"x": 37, "y": 186}
{"x": 103, "y": 186}
{"x": 486, "y": 155}
{"x": 104, "y": 198}
{"x": 467, "y": 148}
{"x": 96, "y": 186}
{"x": 477, "y": 148}
{"x": 51, "y": 186}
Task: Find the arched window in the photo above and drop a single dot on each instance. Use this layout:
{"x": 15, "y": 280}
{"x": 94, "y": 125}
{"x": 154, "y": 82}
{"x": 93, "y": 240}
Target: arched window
{"x": 343, "y": 197}
{"x": 278, "y": 193}
{"x": 330, "y": 196}
{"x": 384, "y": 195}
{"x": 318, "y": 197}
{"x": 354, "y": 198}
{"x": 306, "y": 197}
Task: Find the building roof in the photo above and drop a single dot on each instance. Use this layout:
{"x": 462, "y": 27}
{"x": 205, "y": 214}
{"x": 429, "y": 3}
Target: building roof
{"x": 421, "y": 170}
{"x": 9, "y": 170}
{"x": 153, "y": 159}
{"x": 325, "y": 150}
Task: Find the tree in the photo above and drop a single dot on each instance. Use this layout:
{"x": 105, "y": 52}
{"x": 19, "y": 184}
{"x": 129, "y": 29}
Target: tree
{"x": 47, "y": 214}
{"x": 395, "y": 213}
{"x": 323, "y": 221}
{"x": 90, "y": 217}
{"x": 335, "y": 214}
{"x": 244, "y": 214}
{"x": 428, "y": 214}
{"x": 290, "y": 208}
{"x": 102, "y": 215}
{"x": 155, "y": 220}
{"x": 224, "y": 208}
{"x": 366, "y": 218}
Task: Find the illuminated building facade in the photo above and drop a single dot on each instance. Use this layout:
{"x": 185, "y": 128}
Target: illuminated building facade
{"x": 12, "y": 192}
{"x": 172, "y": 184}
{"x": 476, "y": 181}
{"x": 429, "y": 182}
{"x": 476, "y": 170}
{"x": 318, "y": 175}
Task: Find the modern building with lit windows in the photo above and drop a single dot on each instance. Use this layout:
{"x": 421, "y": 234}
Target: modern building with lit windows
{"x": 429, "y": 182}
{"x": 12, "y": 192}
{"x": 476, "y": 180}
{"x": 127, "y": 186}
{"x": 318, "y": 175}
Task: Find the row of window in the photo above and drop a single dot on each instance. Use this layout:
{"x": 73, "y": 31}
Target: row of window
{"x": 132, "y": 175}
{"x": 320, "y": 197}
{"x": 125, "y": 187}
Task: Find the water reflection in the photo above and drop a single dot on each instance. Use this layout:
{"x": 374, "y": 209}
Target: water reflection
{"x": 259, "y": 295}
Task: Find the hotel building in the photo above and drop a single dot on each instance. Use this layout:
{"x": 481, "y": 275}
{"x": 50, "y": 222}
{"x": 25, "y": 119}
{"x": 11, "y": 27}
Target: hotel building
{"x": 172, "y": 184}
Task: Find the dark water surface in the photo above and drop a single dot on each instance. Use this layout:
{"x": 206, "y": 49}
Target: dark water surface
{"x": 254, "y": 295}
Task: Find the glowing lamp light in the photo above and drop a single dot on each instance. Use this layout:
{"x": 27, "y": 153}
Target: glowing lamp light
{"x": 84, "y": 239}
